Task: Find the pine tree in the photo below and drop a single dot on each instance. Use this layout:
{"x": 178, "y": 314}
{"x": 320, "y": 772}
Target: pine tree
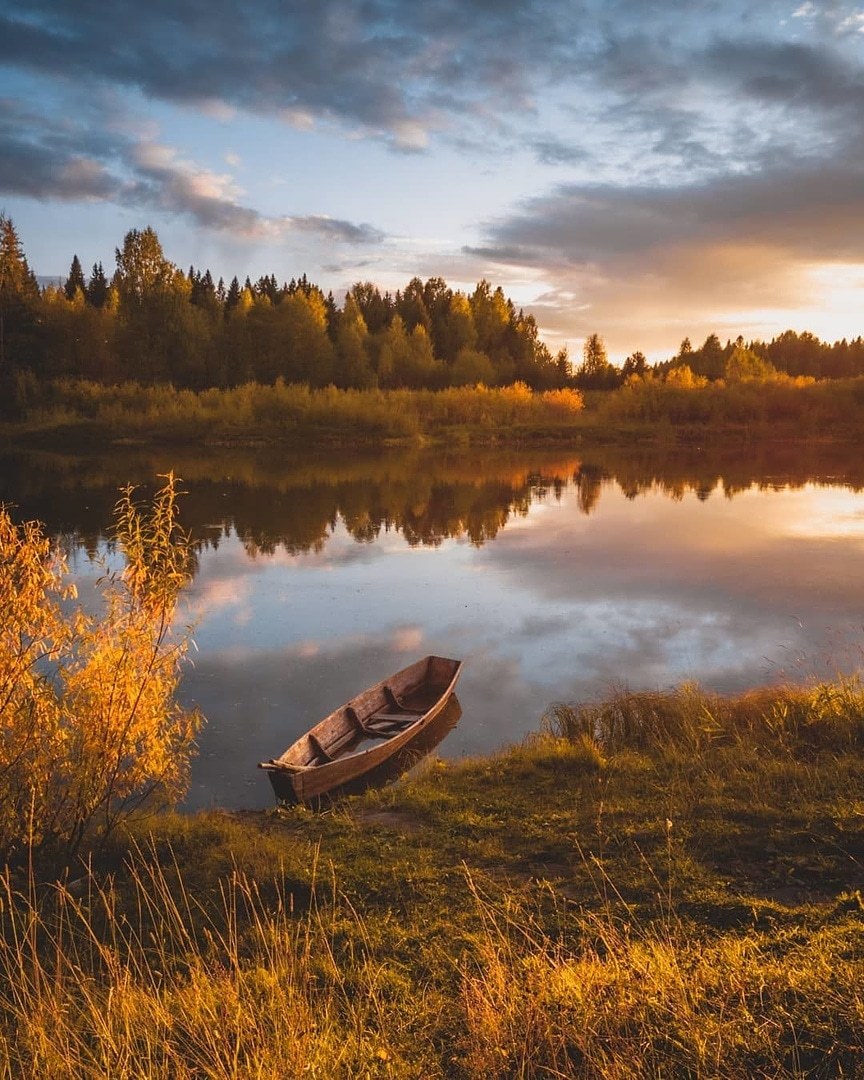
{"x": 75, "y": 282}
{"x": 18, "y": 295}
{"x": 595, "y": 372}
{"x": 15, "y": 276}
{"x": 97, "y": 287}
{"x": 232, "y": 298}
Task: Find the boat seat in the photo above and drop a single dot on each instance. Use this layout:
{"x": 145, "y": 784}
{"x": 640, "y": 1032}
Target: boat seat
{"x": 356, "y": 722}
{"x": 320, "y": 752}
{"x": 394, "y": 719}
{"x": 397, "y": 705}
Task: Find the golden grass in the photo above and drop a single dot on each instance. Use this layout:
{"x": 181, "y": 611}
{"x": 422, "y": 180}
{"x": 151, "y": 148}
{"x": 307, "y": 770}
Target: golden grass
{"x": 823, "y": 716}
{"x": 154, "y": 985}
{"x": 783, "y": 404}
{"x": 600, "y": 902}
{"x": 289, "y": 411}
{"x": 647, "y": 410}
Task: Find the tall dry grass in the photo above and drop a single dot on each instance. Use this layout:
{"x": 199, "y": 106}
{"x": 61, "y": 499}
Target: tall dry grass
{"x": 150, "y": 982}
{"x": 625, "y": 1001}
{"x": 287, "y": 409}
{"x": 782, "y": 403}
{"x": 154, "y": 983}
{"x": 794, "y": 719}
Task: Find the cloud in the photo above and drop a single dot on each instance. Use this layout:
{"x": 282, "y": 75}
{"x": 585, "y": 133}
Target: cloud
{"x": 477, "y": 72}
{"x": 807, "y": 213}
{"x": 267, "y": 57}
{"x": 165, "y": 181}
{"x": 47, "y": 158}
{"x": 802, "y": 76}
{"x": 554, "y": 151}
{"x": 741, "y": 181}
{"x": 50, "y": 158}
{"x": 405, "y": 72}
{"x": 400, "y": 71}
{"x": 839, "y": 19}
{"x": 328, "y": 228}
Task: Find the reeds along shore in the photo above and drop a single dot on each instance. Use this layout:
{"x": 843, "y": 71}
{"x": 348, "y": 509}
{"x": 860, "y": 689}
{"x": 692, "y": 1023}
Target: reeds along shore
{"x": 647, "y": 408}
{"x": 287, "y": 411}
{"x": 658, "y": 885}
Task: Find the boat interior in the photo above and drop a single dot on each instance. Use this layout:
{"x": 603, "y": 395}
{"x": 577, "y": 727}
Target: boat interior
{"x": 398, "y": 713}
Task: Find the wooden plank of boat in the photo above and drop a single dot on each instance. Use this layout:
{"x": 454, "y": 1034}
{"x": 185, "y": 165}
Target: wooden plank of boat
{"x": 389, "y": 715}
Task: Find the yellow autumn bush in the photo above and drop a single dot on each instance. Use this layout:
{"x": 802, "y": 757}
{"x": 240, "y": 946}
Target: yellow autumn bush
{"x": 89, "y": 728}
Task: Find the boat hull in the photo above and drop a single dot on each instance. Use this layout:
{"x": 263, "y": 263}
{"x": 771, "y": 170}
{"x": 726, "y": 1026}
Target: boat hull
{"x": 365, "y": 732}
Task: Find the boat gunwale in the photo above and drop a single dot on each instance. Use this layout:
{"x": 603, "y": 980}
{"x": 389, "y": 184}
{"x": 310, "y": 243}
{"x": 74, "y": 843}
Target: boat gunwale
{"x": 320, "y": 777}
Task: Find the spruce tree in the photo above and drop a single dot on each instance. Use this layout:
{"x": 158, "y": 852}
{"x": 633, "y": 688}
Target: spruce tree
{"x": 232, "y": 299}
{"x": 15, "y": 276}
{"x": 75, "y": 281}
{"x": 19, "y": 293}
{"x": 97, "y": 287}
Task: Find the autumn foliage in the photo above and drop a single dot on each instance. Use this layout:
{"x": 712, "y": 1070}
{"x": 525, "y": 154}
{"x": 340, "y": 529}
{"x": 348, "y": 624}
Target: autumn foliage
{"x": 89, "y": 728}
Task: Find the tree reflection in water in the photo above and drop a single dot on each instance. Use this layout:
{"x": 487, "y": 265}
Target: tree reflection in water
{"x": 273, "y": 501}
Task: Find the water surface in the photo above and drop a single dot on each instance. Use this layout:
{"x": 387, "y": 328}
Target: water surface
{"x": 555, "y": 575}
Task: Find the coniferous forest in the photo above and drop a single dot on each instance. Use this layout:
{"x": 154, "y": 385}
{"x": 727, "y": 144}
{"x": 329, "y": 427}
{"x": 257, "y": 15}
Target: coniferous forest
{"x": 149, "y": 322}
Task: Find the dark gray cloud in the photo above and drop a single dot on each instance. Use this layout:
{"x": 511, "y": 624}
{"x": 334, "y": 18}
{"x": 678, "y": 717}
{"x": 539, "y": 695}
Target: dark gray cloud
{"x": 795, "y": 74}
{"x": 404, "y": 71}
{"x": 49, "y": 164}
{"x": 553, "y": 151}
{"x": 729, "y": 103}
{"x": 397, "y": 69}
{"x": 813, "y": 212}
{"x": 382, "y": 65}
{"x": 50, "y": 158}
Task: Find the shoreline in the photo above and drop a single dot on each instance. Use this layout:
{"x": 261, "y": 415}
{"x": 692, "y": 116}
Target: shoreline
{"x": 86, "y": 415}
{"x": 92, "y": 436}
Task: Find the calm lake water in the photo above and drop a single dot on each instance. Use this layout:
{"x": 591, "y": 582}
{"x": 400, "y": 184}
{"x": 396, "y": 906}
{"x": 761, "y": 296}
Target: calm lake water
{"x": 556, "y": 575}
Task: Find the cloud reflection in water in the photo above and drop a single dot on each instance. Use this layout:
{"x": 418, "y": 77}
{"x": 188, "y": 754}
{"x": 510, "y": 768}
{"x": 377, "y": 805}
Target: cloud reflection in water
{"x": 729, "y": 592}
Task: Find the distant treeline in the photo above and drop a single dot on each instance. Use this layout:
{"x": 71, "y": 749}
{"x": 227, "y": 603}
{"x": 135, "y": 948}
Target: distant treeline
{"x": 789, "y": 353}
{"x": 151, "y": 323}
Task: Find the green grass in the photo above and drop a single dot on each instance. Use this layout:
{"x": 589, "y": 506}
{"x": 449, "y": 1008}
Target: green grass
{"x": 658, "y": 885}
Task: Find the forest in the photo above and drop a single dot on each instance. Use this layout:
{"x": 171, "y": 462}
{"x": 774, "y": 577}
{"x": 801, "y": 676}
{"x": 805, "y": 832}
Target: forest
{"x": 153, "y": 324}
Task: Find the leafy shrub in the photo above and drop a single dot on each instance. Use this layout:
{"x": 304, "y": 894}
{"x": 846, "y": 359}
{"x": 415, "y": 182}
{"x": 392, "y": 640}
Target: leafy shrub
{"x": 89, "y": 728}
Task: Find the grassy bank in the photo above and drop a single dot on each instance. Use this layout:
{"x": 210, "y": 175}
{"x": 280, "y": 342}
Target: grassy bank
{"x": 296, "y": 414}
{"x": 643, "y": 410}
{"x": 658, "y": 885}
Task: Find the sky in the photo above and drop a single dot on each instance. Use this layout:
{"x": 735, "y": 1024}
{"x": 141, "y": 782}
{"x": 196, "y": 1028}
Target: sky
{"x": 642, "y": 171}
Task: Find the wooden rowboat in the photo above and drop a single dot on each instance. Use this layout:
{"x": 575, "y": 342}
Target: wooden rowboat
{"x": 369, "y": 729}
